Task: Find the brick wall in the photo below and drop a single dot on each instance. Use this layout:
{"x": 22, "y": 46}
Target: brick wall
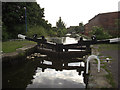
{"x": 105, "y": 20}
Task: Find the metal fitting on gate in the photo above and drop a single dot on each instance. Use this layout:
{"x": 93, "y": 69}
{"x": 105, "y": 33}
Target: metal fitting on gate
{"x": 91, "y": 57}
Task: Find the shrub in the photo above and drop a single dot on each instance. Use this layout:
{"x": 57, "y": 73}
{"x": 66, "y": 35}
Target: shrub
{"x": 5, "y": 34}
{"x": 39, "y": 30}
{"x": 52, "y": 33}
{"x": 100, "y": 33}
{"x": 61, "y": 32}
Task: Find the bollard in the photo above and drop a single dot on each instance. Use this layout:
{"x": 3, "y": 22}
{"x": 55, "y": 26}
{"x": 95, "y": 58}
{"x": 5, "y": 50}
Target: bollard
{"x": 91, "y": 57}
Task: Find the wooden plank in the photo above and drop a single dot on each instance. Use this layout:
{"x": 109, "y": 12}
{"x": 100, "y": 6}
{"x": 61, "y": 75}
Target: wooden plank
{"x": 63, "y": 55}
{"x": 61, "y": 67}
{"x": 72, "y": 60}
{"x": 80, "y": 43}
{"x": 76, "y": 48}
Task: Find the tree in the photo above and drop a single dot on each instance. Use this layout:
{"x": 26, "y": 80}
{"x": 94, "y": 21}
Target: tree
{"x": 61, "y": 29}
{"x": 60, "y": 24}
{"x": 78, "y": 29}
{"x": 81, "y": 27}
{"x": 100, "y": 33}
{"x": 15, "y": 12}
{"x": 13, "y": 17}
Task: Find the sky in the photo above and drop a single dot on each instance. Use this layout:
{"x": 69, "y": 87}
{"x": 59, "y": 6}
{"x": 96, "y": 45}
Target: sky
{"x": 74, "y": 12}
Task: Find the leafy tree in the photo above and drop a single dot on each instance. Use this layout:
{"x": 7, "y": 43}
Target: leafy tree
{"x": 99, "y": 32}
{"x": 60, "y": 24}
{"x": 52, "y": 33}
{"x": 81, "y": 27}
{"x": 14, "y": 17}
{"x": 15, "y": 12}
{"x": 61, "y": 29}
{"x": 39, "y": 30}
{"x": 5, "y": 34}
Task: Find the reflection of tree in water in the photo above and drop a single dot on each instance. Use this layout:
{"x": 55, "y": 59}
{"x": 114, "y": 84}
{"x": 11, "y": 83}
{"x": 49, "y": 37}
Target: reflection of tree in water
{"x": 20, "y": 76}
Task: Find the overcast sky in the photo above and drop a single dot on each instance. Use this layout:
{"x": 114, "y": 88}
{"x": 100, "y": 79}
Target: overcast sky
{"x": 73, "y": 12}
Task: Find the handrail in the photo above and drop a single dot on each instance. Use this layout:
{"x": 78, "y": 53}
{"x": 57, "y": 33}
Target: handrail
{"x": 91, "y": 57}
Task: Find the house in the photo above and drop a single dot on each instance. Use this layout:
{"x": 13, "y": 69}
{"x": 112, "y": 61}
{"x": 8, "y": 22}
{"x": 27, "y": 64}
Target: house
{"x": 108, "y": 21}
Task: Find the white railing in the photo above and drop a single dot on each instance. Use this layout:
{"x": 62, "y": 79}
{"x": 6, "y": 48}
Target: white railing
{"x": 92, "y": 57}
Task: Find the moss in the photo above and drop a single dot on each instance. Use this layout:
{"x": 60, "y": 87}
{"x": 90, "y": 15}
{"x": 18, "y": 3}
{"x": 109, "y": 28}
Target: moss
{"x": 22, "y": 54}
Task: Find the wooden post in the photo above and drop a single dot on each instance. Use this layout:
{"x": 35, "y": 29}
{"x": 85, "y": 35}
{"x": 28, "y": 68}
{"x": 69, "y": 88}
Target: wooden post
{"x": 43, "y": 40}
{"x": 85, "y": 76}
{"x": 66, "y": 50}
{"x": 65, "y": 64}
{"x": 59, "y": 47}
{"x": 88, "y": 49}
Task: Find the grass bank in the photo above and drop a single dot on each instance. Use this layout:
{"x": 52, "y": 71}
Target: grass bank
{"x": 11, "y": 46}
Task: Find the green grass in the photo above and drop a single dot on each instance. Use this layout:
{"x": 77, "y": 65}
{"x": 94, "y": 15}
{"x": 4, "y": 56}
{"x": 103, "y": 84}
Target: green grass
{"x": 11, "y": 46}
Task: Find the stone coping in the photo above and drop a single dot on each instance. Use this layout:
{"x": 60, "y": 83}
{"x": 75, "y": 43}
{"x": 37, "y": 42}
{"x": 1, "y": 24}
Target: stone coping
{"x": 19, "y": 53}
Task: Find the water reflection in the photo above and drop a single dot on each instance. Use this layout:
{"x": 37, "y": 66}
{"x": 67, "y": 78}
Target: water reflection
{"x": 58, "y": 75}
{"x": 44, "y": 72}
{"x": 56, "y": 79}
{"x": 41, "y": 73}
{"x": 20, "y": 75}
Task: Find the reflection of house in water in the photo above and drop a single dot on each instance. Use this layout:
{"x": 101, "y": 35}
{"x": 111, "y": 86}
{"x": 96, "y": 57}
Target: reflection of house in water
{"x": 18, "y": 75}
{"x": 108, "y": 21}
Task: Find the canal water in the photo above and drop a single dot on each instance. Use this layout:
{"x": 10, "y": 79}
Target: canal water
{"x": 38, "y": 73}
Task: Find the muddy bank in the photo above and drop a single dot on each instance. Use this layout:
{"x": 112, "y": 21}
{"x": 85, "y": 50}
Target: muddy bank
{"x": 18, "y": 56}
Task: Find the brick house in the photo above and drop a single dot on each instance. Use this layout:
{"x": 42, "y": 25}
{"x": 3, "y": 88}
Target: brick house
{"x": 108, "y": 21}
